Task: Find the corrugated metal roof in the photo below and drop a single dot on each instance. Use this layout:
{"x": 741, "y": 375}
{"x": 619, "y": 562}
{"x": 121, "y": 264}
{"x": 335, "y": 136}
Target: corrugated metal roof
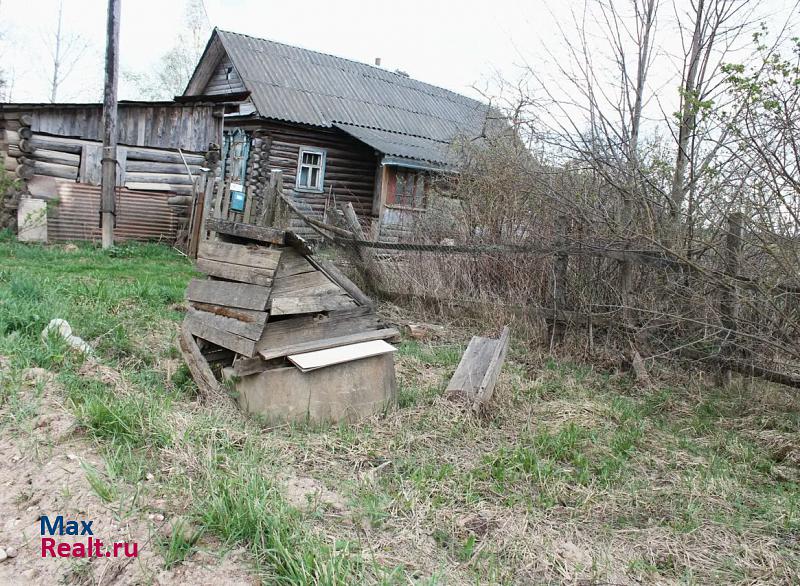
{"x": 403, "y": 145}
{"x": 297, "y": 85}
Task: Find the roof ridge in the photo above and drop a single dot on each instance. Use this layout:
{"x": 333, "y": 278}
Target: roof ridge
{"x": 398, "y": 75}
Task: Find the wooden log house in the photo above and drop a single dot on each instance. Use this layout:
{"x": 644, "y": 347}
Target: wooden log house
{"x": 339, "y": 130}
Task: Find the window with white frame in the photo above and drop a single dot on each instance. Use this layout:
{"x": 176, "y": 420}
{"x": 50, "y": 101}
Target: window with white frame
{"x": 310, "y": 169}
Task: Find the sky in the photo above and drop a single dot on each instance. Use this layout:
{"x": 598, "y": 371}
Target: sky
{"x": 453, "y": 45}
{"x": 463, "y": 46}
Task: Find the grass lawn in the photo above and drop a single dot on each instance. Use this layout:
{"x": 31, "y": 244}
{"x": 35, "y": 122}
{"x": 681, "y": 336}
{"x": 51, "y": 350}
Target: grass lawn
{"x": 574, "y": 476}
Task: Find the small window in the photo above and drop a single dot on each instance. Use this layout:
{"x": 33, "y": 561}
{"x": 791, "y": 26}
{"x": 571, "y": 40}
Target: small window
{"x": 310, "y": 169}
{"x": 410, "y": 189}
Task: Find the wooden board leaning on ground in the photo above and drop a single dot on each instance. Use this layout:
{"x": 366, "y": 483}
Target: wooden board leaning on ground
{"x": 478, "y": 370}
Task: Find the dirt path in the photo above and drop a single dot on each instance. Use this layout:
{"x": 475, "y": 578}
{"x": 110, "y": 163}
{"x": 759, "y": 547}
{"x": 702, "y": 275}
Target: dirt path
{"x": 46, "y": 469}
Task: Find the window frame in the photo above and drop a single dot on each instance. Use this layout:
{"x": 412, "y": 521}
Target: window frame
{"x": 323, "y": 159}
{"x": 419, "y": 201}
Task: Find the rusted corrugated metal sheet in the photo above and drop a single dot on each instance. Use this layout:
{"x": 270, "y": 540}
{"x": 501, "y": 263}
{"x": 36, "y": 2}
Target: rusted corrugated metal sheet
{"x": 141, "y": 215}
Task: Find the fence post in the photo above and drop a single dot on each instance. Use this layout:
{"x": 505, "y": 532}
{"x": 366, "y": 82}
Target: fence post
{"x": 729, "y": 300}
{"x": 270, "y": 197}
{"x": 278, "y": 210}
{"x": 198, "y": 213}
{"x": 366, "y": 259}
{"x": 558, "y": 326}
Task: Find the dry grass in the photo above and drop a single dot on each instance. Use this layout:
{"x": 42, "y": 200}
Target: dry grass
{"x": 575, "y": 475}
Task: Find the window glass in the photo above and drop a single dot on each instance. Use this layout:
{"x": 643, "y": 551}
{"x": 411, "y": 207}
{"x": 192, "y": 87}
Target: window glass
{"x": 310, "y": 169}
{"x": 410, "y": 188}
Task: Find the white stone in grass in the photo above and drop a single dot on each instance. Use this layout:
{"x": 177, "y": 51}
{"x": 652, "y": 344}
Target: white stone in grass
{"x": 63, "y": 329}
{"x": 3, "y": 555}
{"x": 11, "y": 552}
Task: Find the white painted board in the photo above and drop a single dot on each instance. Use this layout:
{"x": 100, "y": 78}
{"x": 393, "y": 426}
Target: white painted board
{"x": 322, "y": 358}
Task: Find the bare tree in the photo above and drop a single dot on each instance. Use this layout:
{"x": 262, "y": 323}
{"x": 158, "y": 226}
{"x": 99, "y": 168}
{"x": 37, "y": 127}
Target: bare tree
{"x": 714, "y": 26}
{"x": 66, "y": 51}
{"x": 4, "y": 86}
{"x": 176, "y": 66}
{"x": 707, "y": 189}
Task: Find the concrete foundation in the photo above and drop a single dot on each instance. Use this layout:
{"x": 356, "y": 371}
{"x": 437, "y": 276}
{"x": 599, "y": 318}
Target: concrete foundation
{"x": 342, "y": 392}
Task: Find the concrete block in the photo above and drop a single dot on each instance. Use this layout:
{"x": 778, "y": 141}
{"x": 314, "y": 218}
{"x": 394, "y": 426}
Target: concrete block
{"x": 342, "y": 392}
{"x": 32, "y": 220}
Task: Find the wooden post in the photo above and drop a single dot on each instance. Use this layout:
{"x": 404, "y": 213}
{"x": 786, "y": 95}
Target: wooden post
{"x": 560, "y": 265}
{"x": 196, "y": 230}
{"x": 272, "y": 198}
{"x": 367, "y": 262}
{"x": 280, "y": 211}
{"x": 729, "y": 299}
{"x": 109, "y": 167}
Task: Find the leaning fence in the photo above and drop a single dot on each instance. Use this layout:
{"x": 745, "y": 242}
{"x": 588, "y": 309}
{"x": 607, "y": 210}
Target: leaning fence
{"x": 647, "y": 303}
{"x": 723, "y": 310}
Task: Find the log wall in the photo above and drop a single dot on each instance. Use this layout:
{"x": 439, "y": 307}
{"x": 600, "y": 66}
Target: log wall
{"x": 158, "y": 180}
{"x": 189, "y": 127}
{"x": 349, "y": 166}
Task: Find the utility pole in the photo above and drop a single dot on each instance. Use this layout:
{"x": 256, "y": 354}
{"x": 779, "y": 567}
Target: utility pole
{"x": 108, "y": 180}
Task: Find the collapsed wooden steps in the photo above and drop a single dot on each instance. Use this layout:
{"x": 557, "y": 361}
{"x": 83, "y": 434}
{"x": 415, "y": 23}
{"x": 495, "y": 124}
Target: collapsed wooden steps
{"x": 264, "y": 303}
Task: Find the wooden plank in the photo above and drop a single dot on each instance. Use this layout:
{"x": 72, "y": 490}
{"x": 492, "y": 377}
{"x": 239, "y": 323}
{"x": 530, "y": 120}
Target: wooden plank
{"x": 492, "y": 371}
{"x": 245, "y": 316}
{"x": 311, "y": 304}
{"x": 292, "y": 263}
{"x": 234, "y": 272}
{"x": 469, "y": 374}
{"x": 340, "y": 354}
{"x": 122, "y": 162}
{"x": 338, "y": 277}
{"x": 162, "y": 156}
{"x": 91, "y": 158}
{"x": 207, "y": 207}
{"x": 241, "y": 295}
{"x": 368, "y": 262}
{"x": 251, "y": 329}
{"x": 193, "y": 228}
{"x": 153, "y": 167}
{"x": 257, "y": 257}
{"x": 252, "y": 232}
{"x": 305, "y": 285}
{"x": 213, "y": 328}
{"x": 307, "y": 328}
{"x": 243, "y": 366}
{"x": 198, "y": 366}
{"x": 170, "y": 178}
{"x": 143, "y": 186}
{"x": 300, "y": 348}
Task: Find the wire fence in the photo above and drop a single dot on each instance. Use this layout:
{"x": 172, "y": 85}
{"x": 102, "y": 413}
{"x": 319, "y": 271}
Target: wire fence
{"x": 715, "y": 310}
